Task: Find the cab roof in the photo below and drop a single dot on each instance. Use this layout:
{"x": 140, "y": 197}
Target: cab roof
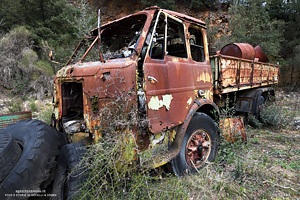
{"x": 156, "y": 8}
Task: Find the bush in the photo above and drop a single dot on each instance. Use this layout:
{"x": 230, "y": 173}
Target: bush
{"x": 277, "y": 115}
{"x": 117, "y": 168}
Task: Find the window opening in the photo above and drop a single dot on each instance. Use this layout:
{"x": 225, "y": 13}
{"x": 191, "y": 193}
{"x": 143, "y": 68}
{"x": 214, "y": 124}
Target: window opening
{"x": 197, "y": 45}
{"x": 157, "y": 47}
{"x": 175, "y": 39}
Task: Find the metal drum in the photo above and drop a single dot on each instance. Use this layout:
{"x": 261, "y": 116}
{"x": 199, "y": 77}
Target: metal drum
{"x": 239, "y": 50}
{"x": 260, "y": 54}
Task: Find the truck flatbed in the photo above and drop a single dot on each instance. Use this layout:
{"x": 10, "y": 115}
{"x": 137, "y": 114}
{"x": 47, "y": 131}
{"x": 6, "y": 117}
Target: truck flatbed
{"x": 231, "y": 74}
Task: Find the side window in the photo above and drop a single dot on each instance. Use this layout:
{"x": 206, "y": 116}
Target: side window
{"x": 197, "y": 45}
{"x": 175, "y": 39}
{"x": 157, "y": 47}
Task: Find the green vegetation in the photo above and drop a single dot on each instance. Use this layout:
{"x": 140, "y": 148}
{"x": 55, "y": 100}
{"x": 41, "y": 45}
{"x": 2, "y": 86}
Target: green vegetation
{"x": 30, "y": 29}
{"x": 266, "y": 167}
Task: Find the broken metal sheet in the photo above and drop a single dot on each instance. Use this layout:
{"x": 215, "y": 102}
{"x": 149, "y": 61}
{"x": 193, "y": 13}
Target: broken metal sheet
{"x": 155, "y": 139}
{"x": 74, "y": 126}
{"x": 233, "y": 129}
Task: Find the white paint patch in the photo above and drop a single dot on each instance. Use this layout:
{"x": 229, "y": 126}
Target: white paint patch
{"x": 190, "y": 101}
{"x": 155, "y": 141}
{"x": 155, "y": 103}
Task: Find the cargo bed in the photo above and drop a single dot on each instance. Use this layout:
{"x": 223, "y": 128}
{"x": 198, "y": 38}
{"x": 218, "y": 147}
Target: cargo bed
{"x": 232, "y": 74}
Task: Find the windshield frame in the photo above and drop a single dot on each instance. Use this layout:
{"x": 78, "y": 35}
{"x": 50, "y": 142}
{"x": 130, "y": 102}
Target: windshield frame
{"x": 94, "y": 35}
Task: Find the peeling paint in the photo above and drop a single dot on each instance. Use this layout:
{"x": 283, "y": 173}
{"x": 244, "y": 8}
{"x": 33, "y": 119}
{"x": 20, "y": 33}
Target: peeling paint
{"x": 155, "y": 103}
{"x": 208, "y": 94}
{"x": 190, "y": 101}
{"x": 155, "y": 139}
{"x": 206, "y": 77}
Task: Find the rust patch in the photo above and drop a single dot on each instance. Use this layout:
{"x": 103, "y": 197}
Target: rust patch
{"x": 233, "y": 129}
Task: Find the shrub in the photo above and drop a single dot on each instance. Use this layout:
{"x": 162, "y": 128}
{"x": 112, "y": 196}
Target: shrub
{"x": 277, "y": 115}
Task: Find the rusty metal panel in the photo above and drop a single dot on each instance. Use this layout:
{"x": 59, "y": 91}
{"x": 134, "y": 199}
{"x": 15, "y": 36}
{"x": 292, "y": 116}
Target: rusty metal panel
{"x": 276, "y": 74}
{"x": 233, "y": 74}
{"x": 12, "y": 118}
{"x": 233, "y": 129}
{"x": 264, "y": 73}
{"x": 245, "y": 72}
{"x": 168, "y": 99}
{"x": 228, "y": 70}
{"x": 256, "y": 73}
{"x": 271, "y": 74}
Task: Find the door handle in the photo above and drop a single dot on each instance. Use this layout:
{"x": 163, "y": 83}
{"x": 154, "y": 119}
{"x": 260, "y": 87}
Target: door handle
{"x": 152, "y": 79}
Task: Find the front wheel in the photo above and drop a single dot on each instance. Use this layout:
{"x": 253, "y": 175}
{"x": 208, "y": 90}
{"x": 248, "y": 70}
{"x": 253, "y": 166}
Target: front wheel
{"x": 198, "y": 147}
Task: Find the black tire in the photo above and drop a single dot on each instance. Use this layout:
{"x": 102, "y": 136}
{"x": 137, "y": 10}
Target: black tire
{"x": 70, "y": 172}
{"x": 61, "y": 137}
{"x": 261, "y": 102}
{"x": 40, "y": 148}
{"x": 62, "y": 141}
{"x": 199, "y": 140}
{"x": 10, "y": 153}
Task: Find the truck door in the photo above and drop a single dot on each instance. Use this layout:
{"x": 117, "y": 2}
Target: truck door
{"x": 200, "y": 59}
{"x": 168, "y": 74}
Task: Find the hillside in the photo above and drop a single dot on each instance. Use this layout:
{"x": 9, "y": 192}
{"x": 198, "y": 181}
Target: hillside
{"x": 58, "y": 25}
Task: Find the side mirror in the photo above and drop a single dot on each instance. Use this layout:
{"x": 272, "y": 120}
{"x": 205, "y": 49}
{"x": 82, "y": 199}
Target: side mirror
{"x": 51, "y": 58}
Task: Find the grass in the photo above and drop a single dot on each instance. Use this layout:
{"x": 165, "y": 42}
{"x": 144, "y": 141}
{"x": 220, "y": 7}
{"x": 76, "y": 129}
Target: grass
{"x": 266, "y": 167}
{"x": 41, "y": 110}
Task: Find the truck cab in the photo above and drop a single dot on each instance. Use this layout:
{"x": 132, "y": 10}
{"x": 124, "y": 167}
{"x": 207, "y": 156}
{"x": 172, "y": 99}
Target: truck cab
{"x": 156, "y": 59}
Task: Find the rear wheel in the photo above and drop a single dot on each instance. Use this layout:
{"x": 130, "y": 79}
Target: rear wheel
{"x": 198, "y": 147}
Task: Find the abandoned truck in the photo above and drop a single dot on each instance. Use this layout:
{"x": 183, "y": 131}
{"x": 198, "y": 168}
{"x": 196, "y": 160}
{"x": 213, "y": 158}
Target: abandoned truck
{"x": 160, "y": 59}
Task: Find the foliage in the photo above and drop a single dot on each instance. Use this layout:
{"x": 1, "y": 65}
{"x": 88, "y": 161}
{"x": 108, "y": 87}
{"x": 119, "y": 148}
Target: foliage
{"x": 117, "y": 169}
{"x": 165, "y": 4}
{"x": 18, "y": 72}
{"x": 251, "y": 23}
{"x": 85, "y": 20}
{"x": 198, "y": 4}
{"x": 15, "y": 105}
{"x": 266, "y": 167}
{"x": 45, "y": 114}
{"x": 45, "y": 19}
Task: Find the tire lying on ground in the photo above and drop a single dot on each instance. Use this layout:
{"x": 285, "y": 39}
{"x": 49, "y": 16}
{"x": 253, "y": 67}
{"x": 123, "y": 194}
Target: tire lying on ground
{"x": 70, "y": 172}
{"x": 199, "y": 145}
{"x": 10, "y": 153}
{"x": 62, "y": 141}
{"x": 39, "y": 145}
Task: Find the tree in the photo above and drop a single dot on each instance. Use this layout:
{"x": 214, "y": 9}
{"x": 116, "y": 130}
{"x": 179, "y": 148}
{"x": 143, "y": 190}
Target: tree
{"x": 251, "y": 23}
{"x": 165, "y": 4}
{"x": 292, "y": 36}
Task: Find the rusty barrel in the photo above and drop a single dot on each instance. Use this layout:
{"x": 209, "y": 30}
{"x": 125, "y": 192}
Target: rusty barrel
{"x": 260, "y": 54}
{"x": 239, "y": 50}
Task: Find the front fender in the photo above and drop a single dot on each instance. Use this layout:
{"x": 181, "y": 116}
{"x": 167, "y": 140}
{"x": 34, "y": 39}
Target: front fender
{"x": 197, "y": 106}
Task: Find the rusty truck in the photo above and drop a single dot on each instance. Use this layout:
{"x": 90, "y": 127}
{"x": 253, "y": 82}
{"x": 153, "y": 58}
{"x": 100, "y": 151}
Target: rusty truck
{"x": 161, "y": 59}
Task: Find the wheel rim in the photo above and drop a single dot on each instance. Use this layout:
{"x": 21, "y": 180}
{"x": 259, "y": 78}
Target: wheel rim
{"x": 198, "y": 148}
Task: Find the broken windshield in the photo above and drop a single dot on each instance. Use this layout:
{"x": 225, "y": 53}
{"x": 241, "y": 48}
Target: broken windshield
{"x": 118, "y": 40}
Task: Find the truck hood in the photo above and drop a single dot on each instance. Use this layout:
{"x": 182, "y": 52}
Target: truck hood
{"x": 92, "y": 68}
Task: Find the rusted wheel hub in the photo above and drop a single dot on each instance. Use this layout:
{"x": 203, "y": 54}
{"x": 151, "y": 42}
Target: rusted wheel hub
{"x": 198, "y": 148}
